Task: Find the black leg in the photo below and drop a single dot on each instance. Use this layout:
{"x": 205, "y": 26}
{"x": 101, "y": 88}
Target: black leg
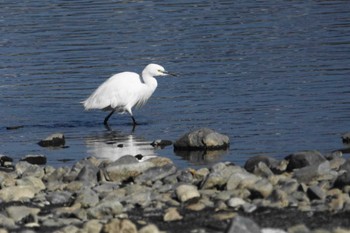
{"x": 133, "y": 120}
{"x": 105, "y": 122}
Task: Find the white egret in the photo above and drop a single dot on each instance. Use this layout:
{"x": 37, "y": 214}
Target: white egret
{"x": 121, "y": 92}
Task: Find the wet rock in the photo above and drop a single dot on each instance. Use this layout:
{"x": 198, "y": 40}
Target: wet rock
{"x": 303, "y": 159}
{"x": 186, "y": 192}
{"x": 6, "y": 161}
{"x": 346, "y": 137}
{"x": 14, "y": 127}
{"x": 161, "y": 143}
{"x": 35, "y": 159}
{"x": 54, "y": 140}
{"x": 202, "y": 139}
{"x": 241, "y": 224}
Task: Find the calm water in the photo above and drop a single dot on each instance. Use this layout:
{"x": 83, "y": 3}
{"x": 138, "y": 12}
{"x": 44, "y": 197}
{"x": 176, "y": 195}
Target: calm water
{"x": 274, "y": 76}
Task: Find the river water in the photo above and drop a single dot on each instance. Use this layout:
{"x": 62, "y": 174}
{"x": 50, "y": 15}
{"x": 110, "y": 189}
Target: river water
{"x": 272, "y": 75}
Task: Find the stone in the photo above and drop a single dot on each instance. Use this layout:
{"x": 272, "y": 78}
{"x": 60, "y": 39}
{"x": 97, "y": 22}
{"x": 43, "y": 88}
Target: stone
{"x": 235, "y": 202}
{"x": 6, "y": 161}
{"x": 300, "y": 228}
{"x": 219, "y": 175}
{"x": 186, "y": 192}
{"x": 17, "y": 193}
{"x": 241, "y": 224}
{"x": 32, "y": 181}
{"x": 343, "y": 179}
{"x": 252, "y": 163}
{"x": 131, "y": 168}
{"x": 59, "y": 197}
{"x": 273, "y": 230}
{"x": 92, "y": 226}
{"x": 308, "y": 173}
{"x": 119, "y": 225}
{"x": 241, "y": 179}
{"x": 315, "y": 192}
{"x": 202, "y": 139}
{"x": 263, "y": 187}
{"x": 54, "y": 140}
{"x": 17, "y": 213}
{"x": 35, "y": 159}
{"x": 150, "y": 228}
{"x": 171, "y": 214}
{"x": 105, "y": 208}
{"x": 156, "y": 173}
{"x": 87, "y": 198}
{"x": 304, "y": 158}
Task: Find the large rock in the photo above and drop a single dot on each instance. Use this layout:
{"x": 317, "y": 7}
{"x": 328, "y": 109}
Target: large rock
{"x": 54, "y": 140}
{"x": 303, "y": 159}
{"x": 202, "y": 139}
{"x": 128, "y": 167}
{"x": 17, "y": 193}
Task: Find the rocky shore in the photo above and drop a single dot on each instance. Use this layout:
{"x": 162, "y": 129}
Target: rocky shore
{"x": 305, "y": 192}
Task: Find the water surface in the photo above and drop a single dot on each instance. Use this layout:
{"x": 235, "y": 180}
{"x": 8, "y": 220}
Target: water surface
{"x": 273, "y": 76}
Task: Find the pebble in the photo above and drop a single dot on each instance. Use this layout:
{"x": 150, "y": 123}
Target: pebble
{"x": 77, "y": 199}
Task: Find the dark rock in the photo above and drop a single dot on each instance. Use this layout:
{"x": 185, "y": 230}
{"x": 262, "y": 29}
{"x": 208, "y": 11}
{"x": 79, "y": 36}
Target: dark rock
{"x": 315, "y": 192}
{"x": 54, "y": 140}
{"x": 253, "y": 162}
{"x": 202, "y": 139}
{"x": 346, "y": 137}
{"x": 14, "y": 127}
{"x": 6, "y": 161}
{"x": 242, "y": 225}
{"x": 303, "y": 159}
{"x": 161, "y": 143}
{"x": 344, "y": 178}
{"x": 35, "y": 159}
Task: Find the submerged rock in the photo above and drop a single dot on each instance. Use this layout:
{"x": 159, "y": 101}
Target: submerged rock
{"x": 202, "y": 139}
{"x": 54, "y": 140}
{"x": 35, "y": 159}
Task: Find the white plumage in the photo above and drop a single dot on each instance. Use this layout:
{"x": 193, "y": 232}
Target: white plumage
{"x": 121, "y": 92}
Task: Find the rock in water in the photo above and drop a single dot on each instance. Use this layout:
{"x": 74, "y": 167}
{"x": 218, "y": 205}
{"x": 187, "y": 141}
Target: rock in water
{"x": 35, "y": 159}
{"x": 202, "y": 139}
{"x": 346, "y": 137}
{"x": 54, "y": 140}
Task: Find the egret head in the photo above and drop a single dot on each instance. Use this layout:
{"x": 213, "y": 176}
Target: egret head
{"x": 155, "y": 70}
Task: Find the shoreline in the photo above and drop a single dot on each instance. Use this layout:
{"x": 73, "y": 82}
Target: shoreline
{"x": 305, "y": 192}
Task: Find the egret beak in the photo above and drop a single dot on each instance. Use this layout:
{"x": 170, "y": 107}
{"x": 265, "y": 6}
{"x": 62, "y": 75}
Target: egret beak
{"x": 168, "y": 73}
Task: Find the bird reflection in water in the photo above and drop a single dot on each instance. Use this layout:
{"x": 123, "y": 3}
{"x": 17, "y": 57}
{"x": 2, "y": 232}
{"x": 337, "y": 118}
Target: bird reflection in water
{"x": 113, "y": 145}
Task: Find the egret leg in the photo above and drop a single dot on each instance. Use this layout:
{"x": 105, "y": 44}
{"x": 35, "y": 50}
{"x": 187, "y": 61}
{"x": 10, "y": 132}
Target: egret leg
{"x": 133, "y": 120}
{"x": 107, "y": 117}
